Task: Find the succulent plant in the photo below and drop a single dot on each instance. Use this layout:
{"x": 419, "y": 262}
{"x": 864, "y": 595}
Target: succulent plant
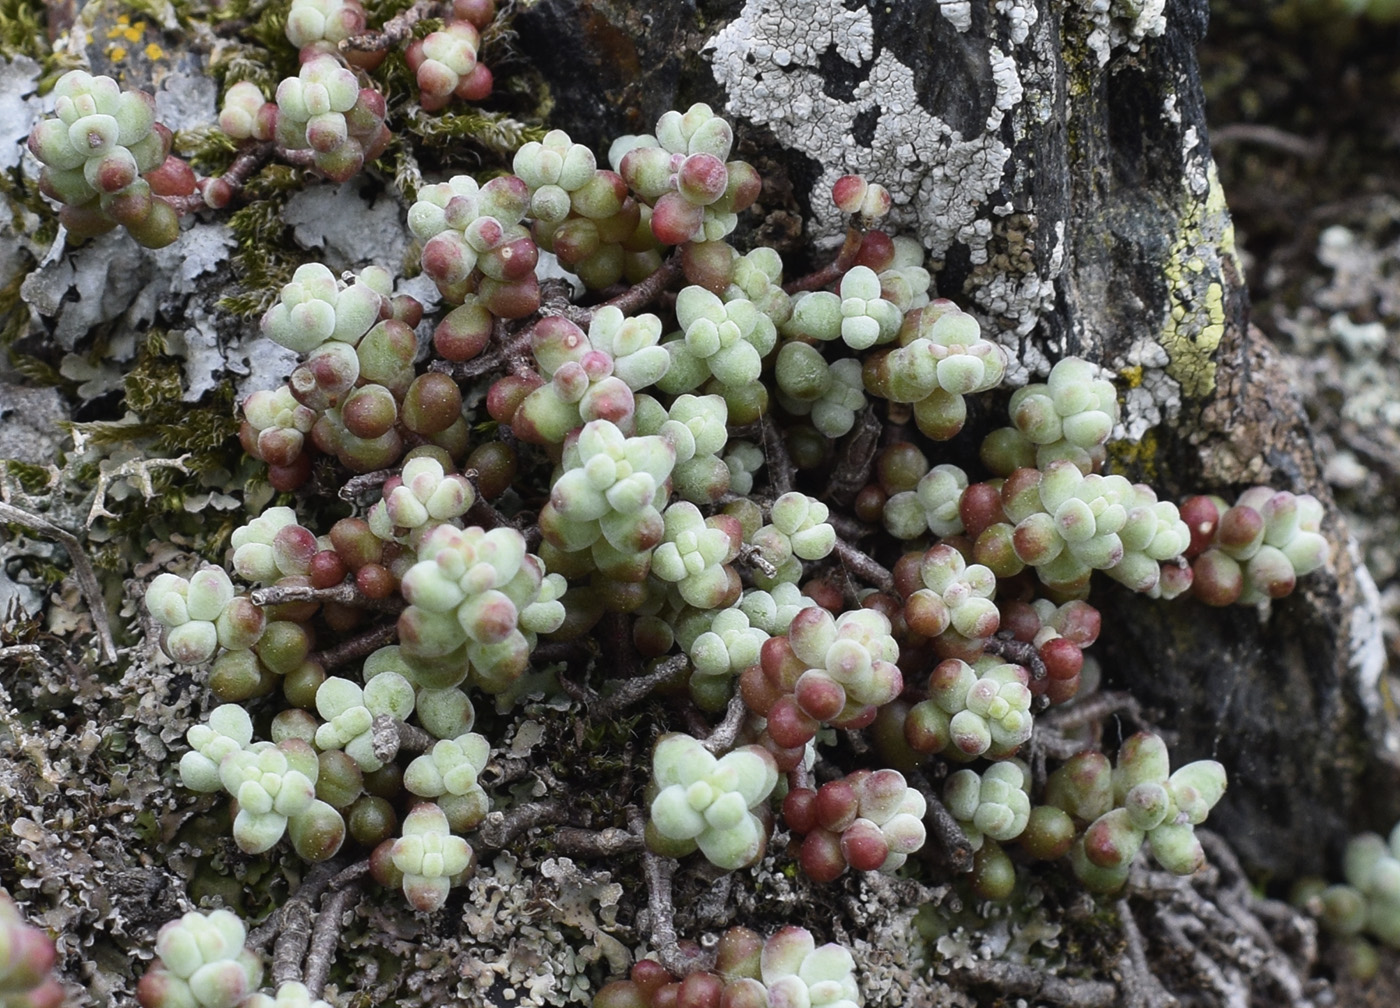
{"x": 203, "y": 962}
{"x": 645, "y": 501}
{"x": 708, "y": 802}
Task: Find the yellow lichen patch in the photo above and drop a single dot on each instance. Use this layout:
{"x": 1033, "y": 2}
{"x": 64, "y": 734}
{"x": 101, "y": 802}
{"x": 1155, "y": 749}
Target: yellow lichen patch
{"x": 1131, "y": 376}
{"x": 124, "y": 29}
{"x": 1194, "y": 327}
{"x": 153, "y": 51}
{"x": 1135, "y": 459}
{"x": 116, "y": 53}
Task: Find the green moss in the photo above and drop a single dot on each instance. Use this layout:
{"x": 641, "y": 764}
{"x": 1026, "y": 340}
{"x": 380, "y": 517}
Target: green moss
{"x": 154, "y": 393}
{"x": 261, "y": 263}
{"x": 23, "y": 30}
{"x": 382, "y": 10}
{"x": 14, "y": 314}
{"x": 33, "y": 479}
{"x": 398, "y": 161}
{"x": 241, "y": 62}
{"x": 269, "y": 25}
{"x": 494, "y": 131}
{"x": 37, "y": 371}
{"x": 208, "y": 149}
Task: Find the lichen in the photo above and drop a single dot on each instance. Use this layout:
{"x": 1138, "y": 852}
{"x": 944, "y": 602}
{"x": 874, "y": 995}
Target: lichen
{"x": 767, "y": 60}
{"x": 1120, "y": 23}
{"x": 1194, "y": 326}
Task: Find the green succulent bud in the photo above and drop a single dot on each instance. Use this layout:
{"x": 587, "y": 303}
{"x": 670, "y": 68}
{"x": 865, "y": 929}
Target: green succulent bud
{"x": 743, "y": 459}
{"x": 429, "y": 856}
{"x": 727, "y": 646}
{"x": 451, "y": 767}
{"x": 229, "y": 730}
{"x": 709, "y": 800}
{"x": 866, "y": 317}
{"x": 725, "y": 339}
{"x": 994, "y": 804}
{"x": 1082, "y": 786}
{"x": 795, "y": 970}
{"x": 632, "y": 343}
{"x": 203, "y": 961}
{"x": 772, "y": 610}
{"x": 1176, "y": 848}
{"x": 1096, "y": 878}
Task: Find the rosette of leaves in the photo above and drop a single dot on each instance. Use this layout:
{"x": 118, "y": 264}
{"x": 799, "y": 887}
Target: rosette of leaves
{"x": 796, "y": 971}
{"x": 480, "y": 594}
{"x": 429, "y": 857}
{"x": 695, "y": 554}
{"x": 633, "y": 343}
{"x": 1367, "y": 902}
{"x": 1255, "y": 549}
{"x": 272, "y": 546}
{"x": 324, "y": 110}
{"x": 932, "y": 506}
{"x": 349, "y": 710}
{"x": 726, "y": 340}
{"x": 608, "y": 498}
{"x": 203, "y": 961}
{"x": 708, "y": 802}
{"x": 955, "y": 597}
{"x": 850, "y": 664}
{"x": 720, "y": 644}
{"x": 582, "y": 381}
{"x": 942, "y": 357}
{"x": 274, "y": 430}
{"x": 247, "y": 114}
{"x": 474, "y": 243}
{"x": 584, "y": 214}
{"x": 314, "y": 306}
{"x": 695, "y": 193}
{"x": 1068, "y": 524}
{"x": 757, "y": 277}
{"x": 869, "y": 821}
{"x": 446, "y": 66}
{"x": 202, "y": 614}
{"x": 831, "y": 393}
{"x": 275, "y": 787}
{"x": 797, "y": 530}
{"x": 1069, "y": 416}
{"x": 993, "y": 804}
{"x": 743, "y": 459}
{"x": 104, "y": 156}
{"x": 553, "y": 168}
{"x": 312, "y": 21}
{"x": 982, "y": 709}
{"x": 696, "y": 428}
{"x": 773, "y": 609}
{"x": 857, "y": 315}
{"x": 422, "y": 496}
{"x": 228, "y": 730}
{"x": 1139, "y": 802}
{"x": 448, "y": 774}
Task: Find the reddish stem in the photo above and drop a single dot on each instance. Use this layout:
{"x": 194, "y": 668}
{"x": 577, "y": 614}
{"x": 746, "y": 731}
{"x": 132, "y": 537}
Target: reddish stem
{"x": 832, "y": 272}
